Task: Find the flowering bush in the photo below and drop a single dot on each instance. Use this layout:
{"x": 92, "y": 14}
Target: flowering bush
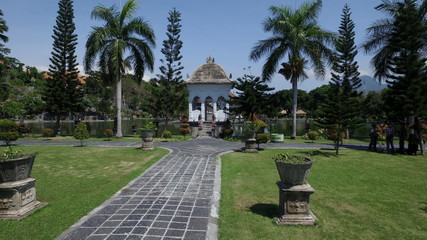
{"x": 22, "y": 129}
{"x": 47, "y": 132}
{"x": 108, "y": 133}
{"x": 9, "y": 136}
{"x": 334, "y": 135}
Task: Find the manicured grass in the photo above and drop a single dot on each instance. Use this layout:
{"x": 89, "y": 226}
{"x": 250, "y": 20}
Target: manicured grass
{"x": 75, "y": 180}
{"x": 359, "y": 195}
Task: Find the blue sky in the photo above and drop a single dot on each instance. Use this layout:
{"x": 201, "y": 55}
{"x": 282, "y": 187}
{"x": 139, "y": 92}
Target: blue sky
{"x": 223, "y": 29}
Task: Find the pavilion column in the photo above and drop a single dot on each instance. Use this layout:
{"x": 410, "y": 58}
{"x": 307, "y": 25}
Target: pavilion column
{"x": 202, "y": 111}
{"x": 227, "y": 106}
{"x": 214, "y": 109}
{"x": 190, "y": 112}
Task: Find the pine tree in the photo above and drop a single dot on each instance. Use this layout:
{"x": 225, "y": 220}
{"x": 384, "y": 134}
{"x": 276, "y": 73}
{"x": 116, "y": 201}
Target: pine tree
{"x": 169, "y": 90}
{"x": 63, "y": 92}
{"x": 252, "y": 96}
{"x": 343, "y": 110}
{"x": 407, "y": 69}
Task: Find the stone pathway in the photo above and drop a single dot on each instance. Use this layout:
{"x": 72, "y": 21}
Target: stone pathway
{"x": 171, "y": 200}
{"x": 177, "y": 198}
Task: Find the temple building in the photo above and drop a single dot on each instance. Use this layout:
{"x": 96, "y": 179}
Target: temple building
{"x": 209, "y": 88}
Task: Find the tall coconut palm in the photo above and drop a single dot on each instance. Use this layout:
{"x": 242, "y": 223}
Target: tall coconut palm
{"x": 298, "y": 39}
{"x": 123, "y": 41}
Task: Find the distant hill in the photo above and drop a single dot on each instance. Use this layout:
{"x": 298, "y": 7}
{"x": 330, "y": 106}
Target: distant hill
{"x": 370, "y": 84}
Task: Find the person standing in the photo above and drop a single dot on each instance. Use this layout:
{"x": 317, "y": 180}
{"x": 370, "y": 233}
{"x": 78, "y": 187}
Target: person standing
{"x": 374, "y": 137}
{"x": 389, "y": 135}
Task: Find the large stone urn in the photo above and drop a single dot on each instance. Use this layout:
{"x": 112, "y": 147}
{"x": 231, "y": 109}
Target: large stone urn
{"x": 250, "y": 142}
{"x": 17, "y": 188}
{"x": 294, "y": 191}
{"x": 147, "y": 139}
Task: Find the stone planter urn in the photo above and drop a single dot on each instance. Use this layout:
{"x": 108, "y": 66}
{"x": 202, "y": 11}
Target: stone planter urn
{"x": 250, "y": 143}
{"x": 294, "y": 173}
{"x": 17, "y": 188}
{"x": 147, "y": 139}
{"x": 294, "y": 191}
{"x": 277, "y": 137}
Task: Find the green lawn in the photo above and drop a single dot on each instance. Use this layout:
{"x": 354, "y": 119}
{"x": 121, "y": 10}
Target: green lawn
{"x": 359, "y": 195}
{"x": 75, "y": 180}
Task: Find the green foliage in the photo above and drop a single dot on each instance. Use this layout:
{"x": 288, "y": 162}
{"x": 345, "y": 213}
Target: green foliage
{"x": 228, "y": 132}
{"x": 7, "y": 125}
{"x": 285, "y": 157}
{"x": 108, "y": 133}
{"x": 12, "y": 109}
{"x": 262, "y": 138}
{"x": 313, "y": 135}
{"x": 167, "y": 134}
{"x": 81, "y": 132}
{"x": 254, "y": 125}
{"x": 9, "y": 153}
{"x": 148, "y": 125}
{"x": 252, "y": 97}
{"x": 47, "y": 132}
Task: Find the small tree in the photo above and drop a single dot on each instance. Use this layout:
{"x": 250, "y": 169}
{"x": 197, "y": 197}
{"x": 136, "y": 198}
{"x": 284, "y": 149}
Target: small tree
{"x": 108, "y": 133}
{"x": 81, "y": 132}
{"x": 8, "y": 131}
{"x": 47, "y": 133}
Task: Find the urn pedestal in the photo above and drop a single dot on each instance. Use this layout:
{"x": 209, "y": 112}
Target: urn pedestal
{"x": 18, "y": 199}
{"x": 294, "y": 205}
{"x": 147, "y": 140}
{"x": 250, "y": 143}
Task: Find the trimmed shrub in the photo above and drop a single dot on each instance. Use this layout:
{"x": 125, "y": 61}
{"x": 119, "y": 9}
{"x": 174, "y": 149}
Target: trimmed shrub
{"x": 47, "y": 133}
{"x": 8, "y": 132}
{"x": 313, "y": 135}
{"x": 81, "y": 132}
{"x": 167, "y": 134}
{"x": 262, "y": 138}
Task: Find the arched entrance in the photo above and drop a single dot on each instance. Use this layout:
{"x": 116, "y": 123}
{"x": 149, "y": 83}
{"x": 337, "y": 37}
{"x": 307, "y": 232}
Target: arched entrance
{"x": 209, "y": 110}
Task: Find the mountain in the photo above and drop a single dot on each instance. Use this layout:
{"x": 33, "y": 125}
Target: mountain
{"x": 370, "y": 84}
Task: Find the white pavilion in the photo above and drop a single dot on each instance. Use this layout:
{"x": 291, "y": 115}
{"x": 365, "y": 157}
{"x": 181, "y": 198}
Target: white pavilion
{"x": 209, "y": 88}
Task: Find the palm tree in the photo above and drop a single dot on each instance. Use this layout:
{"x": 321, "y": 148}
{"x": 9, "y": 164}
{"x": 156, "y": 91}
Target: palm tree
{"x": 122, "y": 35}
{"x": 297, "y": 38}
{"x": 380, "y": 33}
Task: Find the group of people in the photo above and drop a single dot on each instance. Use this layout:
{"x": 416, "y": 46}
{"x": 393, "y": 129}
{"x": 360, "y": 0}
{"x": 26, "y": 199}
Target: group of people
{"x": 411, "y": 130}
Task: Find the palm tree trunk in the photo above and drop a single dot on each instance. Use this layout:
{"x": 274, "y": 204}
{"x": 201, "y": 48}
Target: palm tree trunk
{"x": 119, "y": 106}
{"x": 294, "y": 107}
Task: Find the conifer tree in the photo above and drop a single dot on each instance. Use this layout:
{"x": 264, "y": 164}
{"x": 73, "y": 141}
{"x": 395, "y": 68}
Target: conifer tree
{"x": 169, "y": 90}
{"x": 342, "y": 112}
{"x": 63, "y": 92}
{"x": 252, "y": 96}
{"x": 81, "y": 133}
{"x": 407, "y": 70}
{"x": 3, "y": 28}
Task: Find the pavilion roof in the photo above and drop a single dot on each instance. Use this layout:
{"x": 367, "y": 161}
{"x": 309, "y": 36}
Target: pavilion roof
{"x": 209, "y": 73}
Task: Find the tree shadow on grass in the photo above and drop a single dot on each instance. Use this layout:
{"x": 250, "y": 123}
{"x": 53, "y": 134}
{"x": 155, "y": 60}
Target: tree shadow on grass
{"x": 424, "y": 209}
{"x": 266, "y": 210}
{"x": 319, "y": 153}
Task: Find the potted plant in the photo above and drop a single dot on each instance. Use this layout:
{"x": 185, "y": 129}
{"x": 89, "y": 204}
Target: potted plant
{"x": 293, "y": 170}
{"x": 147, "y": 129}
{"x": 15, "y": 165}
{"x": 147, "y": 134}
